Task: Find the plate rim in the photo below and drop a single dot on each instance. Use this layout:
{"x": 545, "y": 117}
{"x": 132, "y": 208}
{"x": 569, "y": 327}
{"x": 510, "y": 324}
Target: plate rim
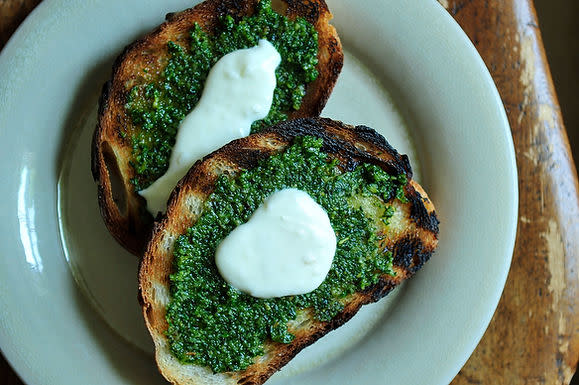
{"x": 15, "y": 357}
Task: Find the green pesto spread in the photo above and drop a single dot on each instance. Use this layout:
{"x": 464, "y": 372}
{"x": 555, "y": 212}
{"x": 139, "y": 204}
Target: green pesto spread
{"x": 214, "y": 324}
{"x": 158, "y": 107}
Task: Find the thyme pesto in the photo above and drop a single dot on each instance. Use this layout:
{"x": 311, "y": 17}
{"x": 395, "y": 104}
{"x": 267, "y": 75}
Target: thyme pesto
{"x": 157, "y": 108}
{"x": 215, "y": 325}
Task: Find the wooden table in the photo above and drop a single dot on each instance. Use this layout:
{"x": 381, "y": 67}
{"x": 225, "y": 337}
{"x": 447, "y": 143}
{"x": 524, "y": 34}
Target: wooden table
{"x": 534, "y": 335}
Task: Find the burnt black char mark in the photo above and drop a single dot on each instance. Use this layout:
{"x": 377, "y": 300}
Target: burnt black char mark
{"x": 410, "y": 254}
{"x": 310, "y": 10}
{"x": 235, "y": 8}
{"x": 347, "y": 143}
{"x": 245, "y": 158}
{"x": 419, "y": 214}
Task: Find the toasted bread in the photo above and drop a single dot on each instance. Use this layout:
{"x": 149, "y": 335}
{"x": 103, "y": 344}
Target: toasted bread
{"x": 123, "y": 210}
{"x": 412, "y": 238}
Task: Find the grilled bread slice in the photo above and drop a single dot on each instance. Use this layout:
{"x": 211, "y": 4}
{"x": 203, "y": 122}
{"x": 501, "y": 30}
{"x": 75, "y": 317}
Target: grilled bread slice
{"x": 123, "y": 210}
{"x": 411, "y": 236}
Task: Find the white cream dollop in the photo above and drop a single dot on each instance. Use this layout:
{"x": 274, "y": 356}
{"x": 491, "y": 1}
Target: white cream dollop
{"x": 286, "y": 248}
{"x": 238, "y": 91}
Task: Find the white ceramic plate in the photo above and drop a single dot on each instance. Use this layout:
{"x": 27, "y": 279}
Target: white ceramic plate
{"x": 67, "y": 292}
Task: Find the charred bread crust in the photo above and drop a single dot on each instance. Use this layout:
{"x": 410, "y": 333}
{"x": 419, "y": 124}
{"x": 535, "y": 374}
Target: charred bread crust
{"x": 412, "y": 246}
{"x": 123, "y": 210}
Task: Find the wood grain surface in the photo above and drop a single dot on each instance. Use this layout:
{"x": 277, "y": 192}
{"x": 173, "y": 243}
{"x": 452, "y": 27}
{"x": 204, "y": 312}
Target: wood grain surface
{"x": 534, "y": 335}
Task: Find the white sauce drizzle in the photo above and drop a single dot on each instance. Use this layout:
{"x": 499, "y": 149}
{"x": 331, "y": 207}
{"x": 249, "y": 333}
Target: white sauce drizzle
{"x": 286, "y": 248}
{"x": 238, "y": 91}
